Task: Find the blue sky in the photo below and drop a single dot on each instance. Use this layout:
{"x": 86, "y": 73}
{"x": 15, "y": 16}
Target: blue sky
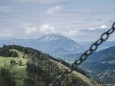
{"x": 81, "y": 20}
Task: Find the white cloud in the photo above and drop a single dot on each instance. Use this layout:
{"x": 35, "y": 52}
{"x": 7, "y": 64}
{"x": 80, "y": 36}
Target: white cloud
{"x": 103, "y": 26}
{"x": 44, "y": 1}
{"x": 43, "y": 29}
{"x": 46, "y": 29}
{"x": 72, "y": 34}
{"x": 54, "y": 10}
{"x": 30, "y": 30}
{"x": 100, "y": 27}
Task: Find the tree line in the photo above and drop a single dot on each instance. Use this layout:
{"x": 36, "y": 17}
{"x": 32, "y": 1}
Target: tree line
{"x": 7, "y": 53}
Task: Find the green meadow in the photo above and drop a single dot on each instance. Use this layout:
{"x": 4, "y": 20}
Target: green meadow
{"x": 19, "y": 72}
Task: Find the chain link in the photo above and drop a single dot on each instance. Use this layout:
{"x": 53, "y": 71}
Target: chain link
{"x": 84, "y": 56}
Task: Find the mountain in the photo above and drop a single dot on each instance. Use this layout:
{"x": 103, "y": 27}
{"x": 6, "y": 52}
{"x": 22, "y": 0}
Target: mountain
{"x": 58, "y": 45}
{"x": 86, "y": 44}
{"x": 101, "y": 64}
{"x": 54, "y": 44}
{"x": 30, "y": 67}
{"x": 106, "y": 45}
{"x": 104, "y": 56}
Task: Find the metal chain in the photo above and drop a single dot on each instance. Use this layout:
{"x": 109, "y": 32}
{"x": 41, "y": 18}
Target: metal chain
{"x": 84, "y": 56}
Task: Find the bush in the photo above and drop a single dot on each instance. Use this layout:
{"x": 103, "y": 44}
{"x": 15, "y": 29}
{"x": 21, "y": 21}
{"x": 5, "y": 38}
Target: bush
{"x": 20, "y": 62}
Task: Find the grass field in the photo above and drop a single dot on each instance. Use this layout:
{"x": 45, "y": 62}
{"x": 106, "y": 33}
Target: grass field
{"x": 18, "y": 71}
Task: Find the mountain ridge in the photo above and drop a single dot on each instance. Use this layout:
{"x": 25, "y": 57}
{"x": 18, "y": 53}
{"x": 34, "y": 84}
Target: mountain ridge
{"x": 54, "y": 44}
{"x": 101, "y": 65}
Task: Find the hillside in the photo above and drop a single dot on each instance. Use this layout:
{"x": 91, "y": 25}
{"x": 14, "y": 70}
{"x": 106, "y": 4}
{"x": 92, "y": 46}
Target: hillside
{"x": 101, "y": 65}
{"x": 39, "y": 69}
{"x": 19, "y": 72}
{"x": 103, "y": 58}
{"x": 77, "y": 74}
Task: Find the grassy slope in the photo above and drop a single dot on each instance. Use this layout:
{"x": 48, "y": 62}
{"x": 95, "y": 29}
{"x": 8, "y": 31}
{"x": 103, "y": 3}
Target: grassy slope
{"x": 84, "y": 78}
{"x": 19, "y": 71}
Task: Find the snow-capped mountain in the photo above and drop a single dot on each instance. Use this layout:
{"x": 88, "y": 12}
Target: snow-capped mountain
{"x": 53, "y": 44}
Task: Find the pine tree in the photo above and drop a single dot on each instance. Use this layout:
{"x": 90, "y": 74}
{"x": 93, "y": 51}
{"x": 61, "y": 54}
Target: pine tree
{"x": 6, "y": 78}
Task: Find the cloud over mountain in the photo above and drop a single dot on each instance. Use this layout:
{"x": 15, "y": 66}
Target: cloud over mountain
{"x": 47, "y": 29}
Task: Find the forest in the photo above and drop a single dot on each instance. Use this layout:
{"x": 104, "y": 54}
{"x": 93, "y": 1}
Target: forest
{"x": 40, "y": 70}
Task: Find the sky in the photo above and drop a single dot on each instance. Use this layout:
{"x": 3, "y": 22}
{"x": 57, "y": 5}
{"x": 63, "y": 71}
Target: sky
{"x": 80, "y": 20}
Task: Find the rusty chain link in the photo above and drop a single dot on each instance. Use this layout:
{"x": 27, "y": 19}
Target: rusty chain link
{"x": 84, "y": 56}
